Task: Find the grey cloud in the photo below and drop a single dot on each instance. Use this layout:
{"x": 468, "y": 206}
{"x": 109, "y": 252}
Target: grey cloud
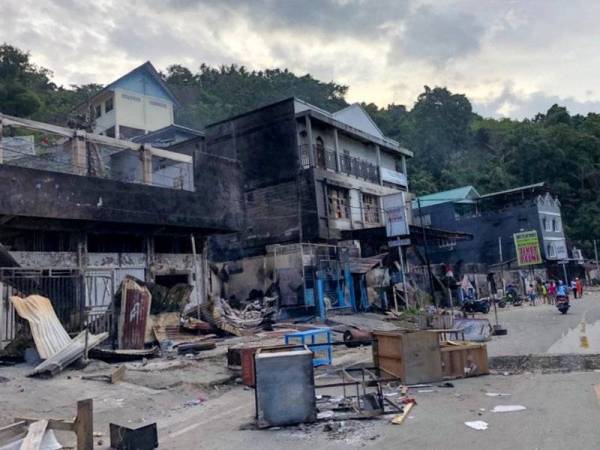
{"x": 528, "y": 105}
{"x": 437, "y": 36}
{"x": 327, "y": 17}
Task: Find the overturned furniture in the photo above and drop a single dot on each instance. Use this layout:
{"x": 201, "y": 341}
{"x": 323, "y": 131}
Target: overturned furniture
{"x": 414, "y": 357}
{"x": 423, "y": 356}
{"x": 464, "y": 359}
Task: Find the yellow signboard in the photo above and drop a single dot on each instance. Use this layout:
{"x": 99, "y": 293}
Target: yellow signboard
{"x": 527, "y": 247}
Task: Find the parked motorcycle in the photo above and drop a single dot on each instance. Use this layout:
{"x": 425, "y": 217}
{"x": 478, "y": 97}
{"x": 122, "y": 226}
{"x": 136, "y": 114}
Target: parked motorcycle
{"x": 512, "y": 297}
{"x": 481, "y": 305}
{"x": 562, "y": 303}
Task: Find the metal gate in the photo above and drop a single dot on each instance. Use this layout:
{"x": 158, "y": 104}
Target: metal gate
{"x": 74, "y": 296}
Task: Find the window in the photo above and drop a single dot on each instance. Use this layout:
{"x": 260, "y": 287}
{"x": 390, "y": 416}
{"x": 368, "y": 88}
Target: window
{"x": 555, "y": 225}
{"x": 546, "y": 224}
{"x": 110, "y": 132}
{"x": 398, "y": 165}
{"x": 338, "y": 202}
{"x": 108, "y": 105}
{"x": 97, "y": 111}
{"x": 550, "y": 251}
{"x": 370, "y": 208}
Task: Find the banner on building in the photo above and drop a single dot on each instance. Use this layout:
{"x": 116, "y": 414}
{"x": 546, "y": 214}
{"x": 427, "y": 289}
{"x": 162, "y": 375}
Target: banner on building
{"x": 527, "y": 246}
{"x": 394, "y": 207}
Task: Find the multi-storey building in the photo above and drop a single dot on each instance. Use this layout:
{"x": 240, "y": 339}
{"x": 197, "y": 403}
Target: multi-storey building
{"x": 307, "y": 176}
{"x": 493, "y": 219}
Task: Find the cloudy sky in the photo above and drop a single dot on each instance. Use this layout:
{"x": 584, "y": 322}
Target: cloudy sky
{"x": 511, "y": 58}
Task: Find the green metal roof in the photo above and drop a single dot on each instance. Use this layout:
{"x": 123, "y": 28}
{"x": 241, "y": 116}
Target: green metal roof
{"x": 461, "y": 194}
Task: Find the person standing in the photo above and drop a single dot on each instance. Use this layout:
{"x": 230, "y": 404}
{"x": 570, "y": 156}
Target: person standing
{"x": 579, "y": 287}
{"x": 552, "y": 292}
{"x": 531, "y": 294}
{"x": 545, "y": 292}
{"x": 574, "y": 288}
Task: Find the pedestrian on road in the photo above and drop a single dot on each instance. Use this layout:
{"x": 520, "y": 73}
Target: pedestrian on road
{"x": 531, "y": 294}
{"x": 574, "y": 288}
{"x": 539, "y": 290}
{"x": 545, "y": 292}
{"x": 552, "y": 292}
{"x": 579, "y": 287}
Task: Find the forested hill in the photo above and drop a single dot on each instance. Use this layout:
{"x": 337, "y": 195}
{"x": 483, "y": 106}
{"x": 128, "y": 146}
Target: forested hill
{"x": 453, "y": 146}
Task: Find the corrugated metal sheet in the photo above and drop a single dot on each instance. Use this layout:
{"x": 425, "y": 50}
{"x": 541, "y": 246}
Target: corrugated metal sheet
{"x": 363, "y": 265}
{"x": 48, "y": 333}
{"x": 135, "y": 309}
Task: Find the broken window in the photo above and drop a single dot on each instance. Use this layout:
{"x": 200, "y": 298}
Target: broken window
{"x": 370, "y": 208}
{"x": 338, "y": 202}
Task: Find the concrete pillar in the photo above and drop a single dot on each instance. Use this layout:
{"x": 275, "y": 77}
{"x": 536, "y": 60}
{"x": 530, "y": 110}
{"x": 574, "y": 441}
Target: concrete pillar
{"x": 311, "y": 142}
{"x": 336, "y": 148}
{"x": 378, "y": 152}
{"x": 146, "y": 157}
{"x": 79, "y": 155}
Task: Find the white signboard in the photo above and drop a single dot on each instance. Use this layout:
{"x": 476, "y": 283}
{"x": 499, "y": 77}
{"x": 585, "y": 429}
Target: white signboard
{"x": 391, "y": 176}
{"x": 560, "y": 249}
{"x": 394, "y": 208}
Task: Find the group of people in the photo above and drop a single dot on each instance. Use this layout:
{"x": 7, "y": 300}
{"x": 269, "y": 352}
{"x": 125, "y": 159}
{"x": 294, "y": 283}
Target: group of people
{"x": 547, "y": 291}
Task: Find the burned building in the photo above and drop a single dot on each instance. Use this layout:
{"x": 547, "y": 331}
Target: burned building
{"x": 307, "y": 176}
{"x": 80, "y": 211}
{"x": 493, "y": 219}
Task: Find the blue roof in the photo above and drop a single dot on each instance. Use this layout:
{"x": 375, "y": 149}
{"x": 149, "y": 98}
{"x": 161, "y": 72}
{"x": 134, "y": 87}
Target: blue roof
{"x": 167, "y": 136}
{"x": 461, "y": 194}
{"x": 144, "y": 80}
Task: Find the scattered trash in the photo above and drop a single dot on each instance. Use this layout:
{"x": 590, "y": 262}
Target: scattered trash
{"x": 325, "y": 414}
{"x": 496, "y": 394}
{"x": 447, "y": 384}
{"x": 113, "y": 378}
{"x": 192, "y": 403}
{"x": 477, "y": 425}
{"x": 508, "y": 408}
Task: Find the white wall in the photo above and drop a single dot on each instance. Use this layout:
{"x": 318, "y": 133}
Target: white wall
{"x": 142, "y": 111}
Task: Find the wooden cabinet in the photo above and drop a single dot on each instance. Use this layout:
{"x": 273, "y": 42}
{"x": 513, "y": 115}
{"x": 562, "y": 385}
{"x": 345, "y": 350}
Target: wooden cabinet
{"x": 413, "y": 357}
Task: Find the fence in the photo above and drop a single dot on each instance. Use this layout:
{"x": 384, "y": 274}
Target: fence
{"x": 64, "y": 150}
{"x": 74, "y": 296}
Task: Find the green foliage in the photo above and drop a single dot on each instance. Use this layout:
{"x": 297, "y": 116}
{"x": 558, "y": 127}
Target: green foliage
{"x": 452, "y": 145}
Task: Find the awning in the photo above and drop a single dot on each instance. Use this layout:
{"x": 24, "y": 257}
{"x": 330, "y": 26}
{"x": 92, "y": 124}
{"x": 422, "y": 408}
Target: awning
{"x": 363, "y": 265}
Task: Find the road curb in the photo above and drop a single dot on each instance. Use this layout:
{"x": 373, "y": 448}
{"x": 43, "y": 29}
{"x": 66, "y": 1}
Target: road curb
{"x": 564, "y": 362}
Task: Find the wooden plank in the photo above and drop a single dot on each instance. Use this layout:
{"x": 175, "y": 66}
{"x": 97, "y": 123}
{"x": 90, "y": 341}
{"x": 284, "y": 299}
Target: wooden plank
{"x": 397, "y": 420}
{"x": 35, "y": 435}
{"x": 84, "y": 425}
{"x": 13, "y": 432}
{"x": 53, "y": 424}
{"x": 118, "y": 375}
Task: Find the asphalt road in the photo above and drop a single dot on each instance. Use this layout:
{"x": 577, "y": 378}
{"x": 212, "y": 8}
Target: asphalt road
{"x": 562, "y": 412}
{"x": 542, "y": 329}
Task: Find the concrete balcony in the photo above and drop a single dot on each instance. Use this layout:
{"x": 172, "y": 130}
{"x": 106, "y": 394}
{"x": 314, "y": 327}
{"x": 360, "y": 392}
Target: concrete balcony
{"x": 325, "y": 158}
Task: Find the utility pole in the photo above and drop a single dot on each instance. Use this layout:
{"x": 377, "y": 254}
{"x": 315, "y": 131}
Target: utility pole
{"x": 501, "y": 265}
{"x": 426, "y": 254}
{"x": 596, "y": 256}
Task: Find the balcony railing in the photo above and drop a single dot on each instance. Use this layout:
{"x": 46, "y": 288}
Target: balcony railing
{"x": 57, "y": 149}
{"x": 325, "y": 158}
